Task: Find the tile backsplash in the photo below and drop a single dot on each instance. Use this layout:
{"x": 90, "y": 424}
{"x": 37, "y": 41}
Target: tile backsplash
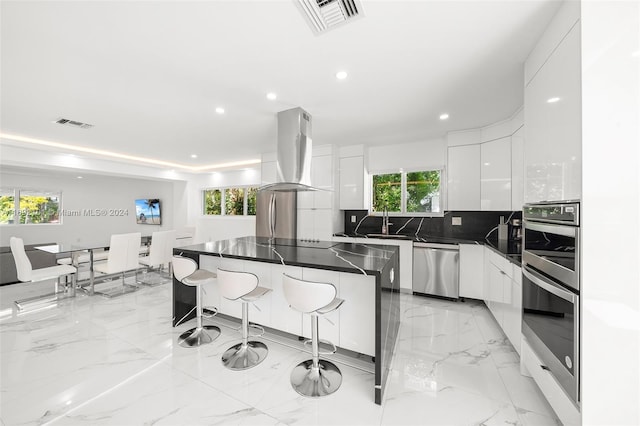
{"x": 473, "y": 225}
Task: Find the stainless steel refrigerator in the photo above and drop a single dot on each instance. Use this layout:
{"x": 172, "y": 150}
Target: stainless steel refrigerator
{"x": 276, "y": 214}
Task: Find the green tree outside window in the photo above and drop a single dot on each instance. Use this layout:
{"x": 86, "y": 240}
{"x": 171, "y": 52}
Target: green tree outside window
{"x": 423, "y": 191}
{"x": 212, "y": 202}
{"x": 251, "y": 201}
{"x": 387, "y": 192}
{"x": 234, "y": 201}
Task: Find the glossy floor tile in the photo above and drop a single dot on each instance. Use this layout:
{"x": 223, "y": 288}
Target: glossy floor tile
{"x": 93, "y": 360}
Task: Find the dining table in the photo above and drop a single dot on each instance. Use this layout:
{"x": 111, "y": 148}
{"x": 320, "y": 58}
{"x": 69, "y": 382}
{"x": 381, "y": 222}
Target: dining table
{"x": 74, "y": 250}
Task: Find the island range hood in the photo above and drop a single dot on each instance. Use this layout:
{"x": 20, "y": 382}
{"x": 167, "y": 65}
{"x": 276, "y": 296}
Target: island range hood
{"x": 293, "y": 152}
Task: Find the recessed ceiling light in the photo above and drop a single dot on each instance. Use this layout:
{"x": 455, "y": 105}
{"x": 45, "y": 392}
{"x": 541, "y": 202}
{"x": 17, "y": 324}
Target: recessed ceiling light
{"x": 194, "y": 156}
{"x": 341, "y": 75}
{"x": 79, "y": 177}
{"x": 220, "y": 110}
{"x": 553, "y": 100}
{"x": 444, "y": 116}
{"x": 272, "y": 96}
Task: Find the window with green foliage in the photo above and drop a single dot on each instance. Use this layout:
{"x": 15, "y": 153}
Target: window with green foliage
{"x": 29, "y": 207}
{"x": 407, "y": 192}
{"x": 387, "y": 192}
{"x": 236, "y": 201}
{"x": 251, "y": 201}
{"x": 423, "y": 192}
{"x": 212, "y": 201}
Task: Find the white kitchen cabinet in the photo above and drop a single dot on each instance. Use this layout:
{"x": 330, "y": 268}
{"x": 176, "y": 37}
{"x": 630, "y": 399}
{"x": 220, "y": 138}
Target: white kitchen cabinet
{"x": 517, "y": 169}
{"x": 463, "y": 177}
{"x": 495, "y": 174}
{"x": 472, "y": 271}
{"x": 553, "y": 138}
{"x": 316, "y": 224}
{"x": 352, "y": 183}
{"x": 503, "y": 295}
{"x": 322, "y": 178}
{"x": 512, "y": 313}
{"x": 360, "y": 288}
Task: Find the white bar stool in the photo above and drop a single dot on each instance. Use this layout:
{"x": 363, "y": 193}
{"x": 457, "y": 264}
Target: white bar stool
{"x": 186, "y": 271}
{"x": 313, "y": 377}
{"x": 244, "y": 286}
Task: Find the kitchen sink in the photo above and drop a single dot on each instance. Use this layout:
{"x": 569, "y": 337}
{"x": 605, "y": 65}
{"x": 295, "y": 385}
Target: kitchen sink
{"x": 391, "y": 236}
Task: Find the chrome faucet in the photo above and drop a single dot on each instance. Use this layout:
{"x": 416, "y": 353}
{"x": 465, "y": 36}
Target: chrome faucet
{"x": 385, "y": 220}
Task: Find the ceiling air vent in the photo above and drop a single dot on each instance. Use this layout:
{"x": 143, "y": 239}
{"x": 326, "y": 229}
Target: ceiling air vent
{"x": 324, "y": 15}
{"x": 72, "y": 123}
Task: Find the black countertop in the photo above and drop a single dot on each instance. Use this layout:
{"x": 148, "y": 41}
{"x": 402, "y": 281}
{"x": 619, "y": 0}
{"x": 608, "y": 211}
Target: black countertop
{"x": 511, "y": 250}
{"x": 369, "y": 259}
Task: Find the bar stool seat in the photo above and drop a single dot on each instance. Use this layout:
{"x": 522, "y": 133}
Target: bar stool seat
{"x": 186, "y": 271}
{"x": 242, "y": 286}
{"x": 314, "y": 377}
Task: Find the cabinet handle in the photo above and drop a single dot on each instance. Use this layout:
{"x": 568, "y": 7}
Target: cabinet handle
{"x": 503, "y": 273}
{"x": 544, "y": 367}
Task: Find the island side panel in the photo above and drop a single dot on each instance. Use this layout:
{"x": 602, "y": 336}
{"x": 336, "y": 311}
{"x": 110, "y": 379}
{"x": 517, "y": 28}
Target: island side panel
{"x": 184, "y": 296}
{"x": 387, "y": 322}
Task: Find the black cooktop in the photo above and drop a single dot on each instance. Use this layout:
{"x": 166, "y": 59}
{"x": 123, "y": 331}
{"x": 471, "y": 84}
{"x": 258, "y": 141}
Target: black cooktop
{"x": 301, "y": 242}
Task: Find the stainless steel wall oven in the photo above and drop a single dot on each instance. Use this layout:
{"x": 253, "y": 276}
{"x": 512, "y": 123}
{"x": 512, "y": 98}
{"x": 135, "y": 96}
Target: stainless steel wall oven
{"x": 551, "y": 289}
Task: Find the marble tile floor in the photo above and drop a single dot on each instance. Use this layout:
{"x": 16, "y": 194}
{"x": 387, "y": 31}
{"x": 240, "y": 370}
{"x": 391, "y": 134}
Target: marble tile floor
{"x": 99, "y": 361}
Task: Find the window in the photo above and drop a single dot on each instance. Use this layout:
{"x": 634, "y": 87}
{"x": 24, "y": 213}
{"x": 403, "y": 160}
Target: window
{"x": 407, "y": 192}
{"x": 212, "y": 201}
{"x": 235, "y": 201}
{"x": 21, "y": 206}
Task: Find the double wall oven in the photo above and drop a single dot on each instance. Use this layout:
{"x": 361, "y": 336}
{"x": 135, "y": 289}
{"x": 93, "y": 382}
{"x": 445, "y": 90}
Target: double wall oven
{"x": 551, "y": 289}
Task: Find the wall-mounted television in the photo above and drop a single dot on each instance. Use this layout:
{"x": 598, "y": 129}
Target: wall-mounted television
{"x": 148, "y": 211}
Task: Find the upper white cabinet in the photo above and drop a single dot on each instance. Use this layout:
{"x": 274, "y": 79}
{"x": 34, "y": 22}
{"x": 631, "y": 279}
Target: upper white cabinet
{"x": 495, "y": 175}
{"x": 552, "y": 149}
{"x": 321, "y": 177}
{"x": 463, "y": 177}
{"x": 517, "y": 169}
{"x": 352, "y": 179}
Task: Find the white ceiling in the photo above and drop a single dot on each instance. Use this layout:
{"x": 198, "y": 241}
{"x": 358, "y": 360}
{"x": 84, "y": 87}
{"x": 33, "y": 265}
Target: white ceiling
{"x": 149, "y": 74}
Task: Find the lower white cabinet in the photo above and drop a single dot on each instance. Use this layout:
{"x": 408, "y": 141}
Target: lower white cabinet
{"x": 503, "y": 295}
{"x": 352, "y": 326}
{"x": 472, "y": 271}
{"x": 512, "y": 312}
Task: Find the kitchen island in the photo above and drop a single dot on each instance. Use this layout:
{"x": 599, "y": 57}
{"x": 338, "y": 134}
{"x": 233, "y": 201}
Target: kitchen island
{"x": 365, "y": 275}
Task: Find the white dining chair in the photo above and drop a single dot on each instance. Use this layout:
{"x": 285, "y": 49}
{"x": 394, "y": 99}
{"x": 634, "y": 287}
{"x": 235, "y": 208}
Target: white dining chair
{"x": 160, "y": 254}
{"x": 122, "y": 258}
{"x": 26, "y": 273}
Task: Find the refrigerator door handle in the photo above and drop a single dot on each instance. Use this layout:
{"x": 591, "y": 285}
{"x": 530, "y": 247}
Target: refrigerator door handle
{"x": 272, "y": 215}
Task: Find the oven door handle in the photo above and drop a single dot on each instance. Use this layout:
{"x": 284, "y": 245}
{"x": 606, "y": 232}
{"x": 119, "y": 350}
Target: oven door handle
{"x": 567, "y": 231}
{"x": 551, "y": 288}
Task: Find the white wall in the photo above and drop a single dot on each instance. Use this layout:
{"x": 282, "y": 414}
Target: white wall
{"x": 611, "y": 212}
{"x": 214, "y": 228}
{"x": 91, "y": 192}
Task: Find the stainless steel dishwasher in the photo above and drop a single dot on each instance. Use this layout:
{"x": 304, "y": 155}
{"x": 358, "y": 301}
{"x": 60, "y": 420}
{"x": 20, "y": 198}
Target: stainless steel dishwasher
{"x": 436, "y": 269}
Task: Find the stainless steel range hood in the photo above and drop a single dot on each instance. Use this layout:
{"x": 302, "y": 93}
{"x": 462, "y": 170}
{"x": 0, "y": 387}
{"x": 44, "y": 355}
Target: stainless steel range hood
{"x": 293, "y": 152}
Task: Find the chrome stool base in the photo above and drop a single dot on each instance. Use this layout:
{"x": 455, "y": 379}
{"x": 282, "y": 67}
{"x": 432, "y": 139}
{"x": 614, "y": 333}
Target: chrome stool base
{"x": 308, "y": 381}
{"x": 198, "y": 337}
{"x": 241, "y": 357}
